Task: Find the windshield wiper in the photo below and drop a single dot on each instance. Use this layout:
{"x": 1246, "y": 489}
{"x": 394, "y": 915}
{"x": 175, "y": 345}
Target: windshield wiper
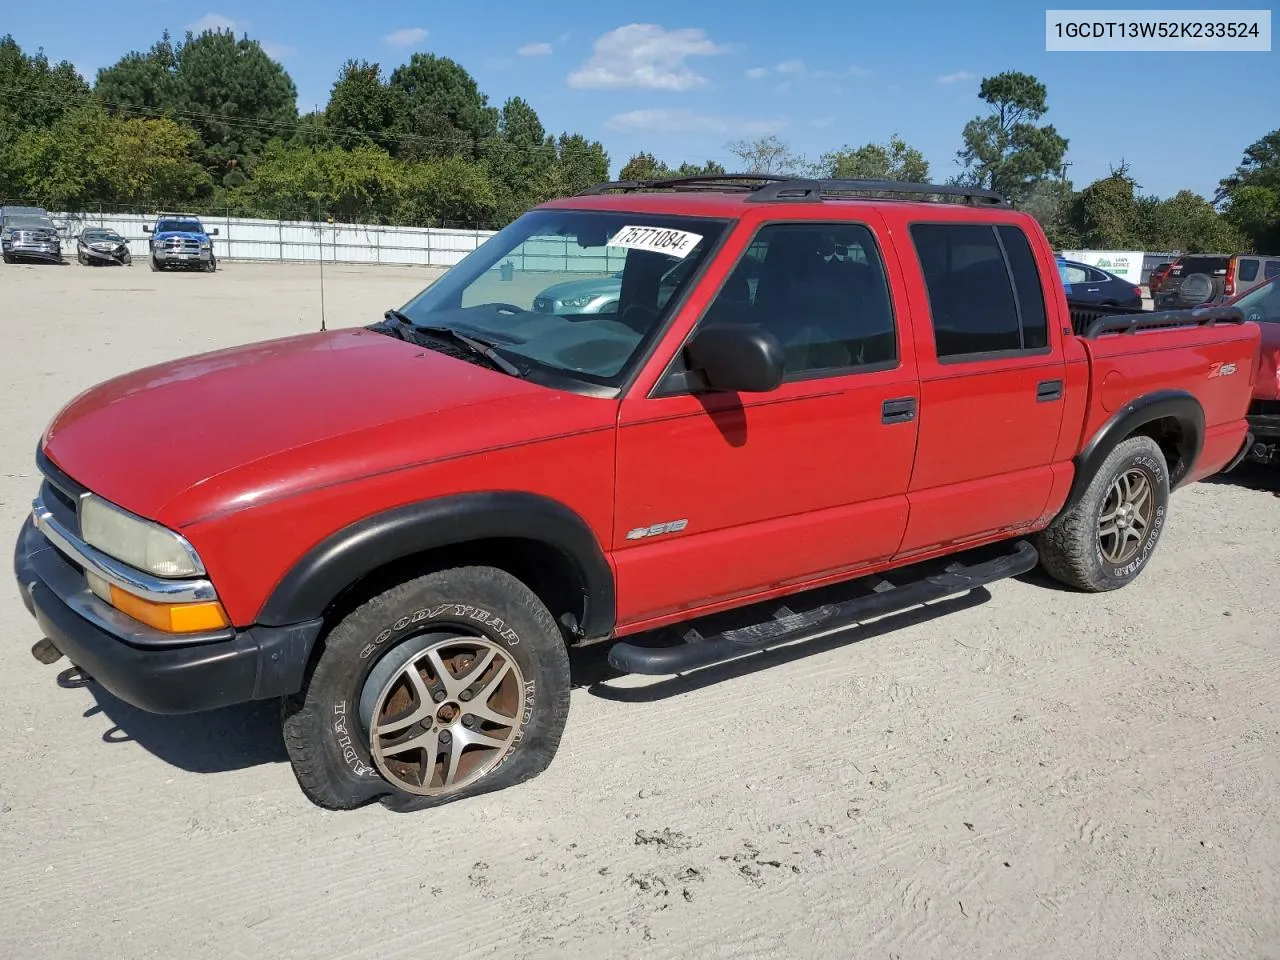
{"x": 406, "y": 328}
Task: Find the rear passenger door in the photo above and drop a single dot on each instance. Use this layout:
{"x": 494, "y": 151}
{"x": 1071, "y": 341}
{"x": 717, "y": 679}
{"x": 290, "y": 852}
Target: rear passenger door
{"x": 722, "y": 496}
{"x": 991, "y": 383}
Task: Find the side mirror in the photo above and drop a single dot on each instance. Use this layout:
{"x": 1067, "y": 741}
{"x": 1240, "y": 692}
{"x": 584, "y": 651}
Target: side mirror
{"x": 737, "y": 358}
{"x": 213, "y": 232}
{"x": 146, "y": 228}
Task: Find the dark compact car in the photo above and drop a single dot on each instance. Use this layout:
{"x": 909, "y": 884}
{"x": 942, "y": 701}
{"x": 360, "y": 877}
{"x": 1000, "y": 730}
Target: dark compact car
{"x": 30, "y": 237}
{"x": 1086, "y": 284}
{"x": 99, "y": 245}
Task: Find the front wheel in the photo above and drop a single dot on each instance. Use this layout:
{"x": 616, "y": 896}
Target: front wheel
{"x": 211, "y": 266}
{"x": 155, "y": 265}
{"x": 1105, "y": 540}
{"x": 446, "y": 686}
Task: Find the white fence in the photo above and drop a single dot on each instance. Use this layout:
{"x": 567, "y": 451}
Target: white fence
{"x": 281, "y": 241}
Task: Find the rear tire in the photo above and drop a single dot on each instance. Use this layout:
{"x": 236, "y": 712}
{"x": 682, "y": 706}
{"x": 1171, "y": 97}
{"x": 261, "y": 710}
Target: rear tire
{"x": 382, "y": 661}
{"x": 1105, "y": 540}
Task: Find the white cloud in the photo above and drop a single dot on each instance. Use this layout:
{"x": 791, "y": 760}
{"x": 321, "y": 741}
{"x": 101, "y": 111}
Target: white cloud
{"x": 755, "y": 73}
{"x": 278, "y": 51}
{"x": 662, "y": 120}
{"x": 406, "y": 37}
{"x": 791, "y": 67}
{"x": 960, "y": 76}
{"x": 798, "y": 68}
{"x": 535, "y": 50}
{"x": 646, "y": 56}
{"x": 214, "y": 21}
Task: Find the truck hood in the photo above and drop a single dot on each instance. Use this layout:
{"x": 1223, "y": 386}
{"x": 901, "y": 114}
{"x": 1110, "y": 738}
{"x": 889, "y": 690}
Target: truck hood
{"x": 227, "y": 429}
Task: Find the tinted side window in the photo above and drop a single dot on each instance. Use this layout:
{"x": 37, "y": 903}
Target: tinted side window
{"x": 971, "y": 294}
{"x": 1248, "y": 270}
{"x": 1271, "y": 269}
{"x": 1027, "y": 287}
{"x": 1077, "y": 275}
{"x": 820, "y": 289}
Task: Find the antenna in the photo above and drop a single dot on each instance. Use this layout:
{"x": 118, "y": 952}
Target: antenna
{"x": 320, "y": 221}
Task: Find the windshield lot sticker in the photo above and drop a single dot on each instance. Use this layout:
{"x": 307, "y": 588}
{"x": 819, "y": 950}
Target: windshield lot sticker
{"x": 674, "y": 243}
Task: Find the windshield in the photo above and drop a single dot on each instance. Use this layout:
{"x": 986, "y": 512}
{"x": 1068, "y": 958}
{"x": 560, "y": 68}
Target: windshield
{"x": 179, "y": 226}
{"x": 1261, "y": 305}
{"x": 100, "y": 235}
{"x": 571, "y": 291}
{"x": 28, "y": 223}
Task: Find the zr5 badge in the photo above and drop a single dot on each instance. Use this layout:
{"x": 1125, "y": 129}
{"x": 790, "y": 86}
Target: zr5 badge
{"x": 1221, "y": 369}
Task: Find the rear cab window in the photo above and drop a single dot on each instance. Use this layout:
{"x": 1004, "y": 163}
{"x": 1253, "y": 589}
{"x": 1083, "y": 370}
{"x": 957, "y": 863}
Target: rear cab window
{"x": 985, "y": 292}
{"x": 1248, "y": 269}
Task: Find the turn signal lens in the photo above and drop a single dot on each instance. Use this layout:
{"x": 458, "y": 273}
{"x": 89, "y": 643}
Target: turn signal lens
{"x": 171, "y": 617}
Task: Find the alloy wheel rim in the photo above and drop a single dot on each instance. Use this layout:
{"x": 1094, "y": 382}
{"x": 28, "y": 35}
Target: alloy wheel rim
{"x": 1126, "y": 516}
{"x": 447, "y": 716}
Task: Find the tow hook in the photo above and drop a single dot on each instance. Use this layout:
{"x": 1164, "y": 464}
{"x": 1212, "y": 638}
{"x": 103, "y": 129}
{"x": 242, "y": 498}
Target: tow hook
{"x": 46, "y": 652}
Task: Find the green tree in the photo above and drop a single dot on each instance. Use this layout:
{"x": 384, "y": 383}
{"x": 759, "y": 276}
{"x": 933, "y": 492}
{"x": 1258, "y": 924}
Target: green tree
{"x": 896, "y": 160}
{"x": 364, "y": 185}
{"x": 1250, "y": 197}
{"x": 768, "y": 155}
{"x": 88, "y": 157}
{"x": 363, "y": 109}
{"x": 708, "y": 169}
{"x": 580, "y": 163}
{"x": 521, "y": 159}
{"x": 236, "y": 97}
{"x": 1052, "y": 203}
{"x": 447, "y": 191}
{"x": 445, "y": 112}
{"x": 1105, "y": 213}
{"x": 1006, "y": 150}
{"x": 138, "y": 83}
{"x": 644, "y": 166}
{"x": 33, "y": 92}
{"x": 1186, "y": 222}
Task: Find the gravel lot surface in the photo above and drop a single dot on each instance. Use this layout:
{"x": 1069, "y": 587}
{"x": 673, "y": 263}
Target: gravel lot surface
{"x": 1022, "y": 773}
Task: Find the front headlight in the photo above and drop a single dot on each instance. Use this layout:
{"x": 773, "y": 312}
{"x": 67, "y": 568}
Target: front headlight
{"x": 205, "y": 244}
{"x": 137, "y": 542}
{"x": 576, "y": 301}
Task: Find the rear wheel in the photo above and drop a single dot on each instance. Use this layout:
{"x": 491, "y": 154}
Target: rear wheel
{"x": 1105, "y": 540}
{"x": 447, "y": 686}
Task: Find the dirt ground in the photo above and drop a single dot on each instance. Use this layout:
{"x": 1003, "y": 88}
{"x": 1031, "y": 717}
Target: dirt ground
{"x": 1027, "y": 772}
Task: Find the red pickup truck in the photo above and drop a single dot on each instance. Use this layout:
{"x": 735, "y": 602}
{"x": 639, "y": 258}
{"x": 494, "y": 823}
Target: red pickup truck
{"x": 853, "y": 398}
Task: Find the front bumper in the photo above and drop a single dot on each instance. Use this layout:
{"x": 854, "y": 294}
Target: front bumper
{"x": 182, "y": 256}
{"x": 119, "y": 255}
{"x": 143, "y": 666}
{"x": 33, "y": 250}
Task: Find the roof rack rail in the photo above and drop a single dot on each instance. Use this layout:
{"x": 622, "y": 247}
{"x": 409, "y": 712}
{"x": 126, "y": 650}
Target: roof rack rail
{"x": 709, "y": 181}
{"x": 770, "y": 188}
{"x": 804, "y": 189}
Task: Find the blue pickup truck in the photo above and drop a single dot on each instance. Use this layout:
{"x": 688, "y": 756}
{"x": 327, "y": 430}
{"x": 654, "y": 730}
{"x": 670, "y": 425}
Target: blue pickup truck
{"x": 180, "y": 240}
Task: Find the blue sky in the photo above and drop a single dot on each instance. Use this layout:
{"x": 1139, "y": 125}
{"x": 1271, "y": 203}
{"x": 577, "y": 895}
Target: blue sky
{"x": 682, "y": 79}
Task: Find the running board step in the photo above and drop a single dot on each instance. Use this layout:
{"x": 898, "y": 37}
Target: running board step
{"x": 878, "y": 598}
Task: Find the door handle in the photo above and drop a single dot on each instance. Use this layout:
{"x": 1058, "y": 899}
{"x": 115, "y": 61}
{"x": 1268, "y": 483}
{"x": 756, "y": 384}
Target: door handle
{"x": 1047, "y": 390}
{"x": 898, "y": 410}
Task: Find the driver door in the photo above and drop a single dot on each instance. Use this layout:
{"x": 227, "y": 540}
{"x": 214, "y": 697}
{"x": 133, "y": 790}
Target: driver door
{"x": 721, "y": 496}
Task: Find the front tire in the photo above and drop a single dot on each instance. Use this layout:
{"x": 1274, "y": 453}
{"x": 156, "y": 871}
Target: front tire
{"x": 155, "y": 265}
{"x": 447, "y": 686}
{"x": 1104, "y": 541}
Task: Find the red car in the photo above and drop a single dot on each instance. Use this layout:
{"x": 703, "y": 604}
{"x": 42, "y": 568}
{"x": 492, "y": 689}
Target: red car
{"x": 400, "y": 530}
{"x": 1156, "y": 280}
{"x": 1261, "y": 305}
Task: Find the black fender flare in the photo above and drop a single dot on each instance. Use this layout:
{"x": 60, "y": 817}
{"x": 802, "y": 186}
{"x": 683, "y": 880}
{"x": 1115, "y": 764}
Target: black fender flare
{"x": 1176, "y": 404}
{"x": 342, "y": 558}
